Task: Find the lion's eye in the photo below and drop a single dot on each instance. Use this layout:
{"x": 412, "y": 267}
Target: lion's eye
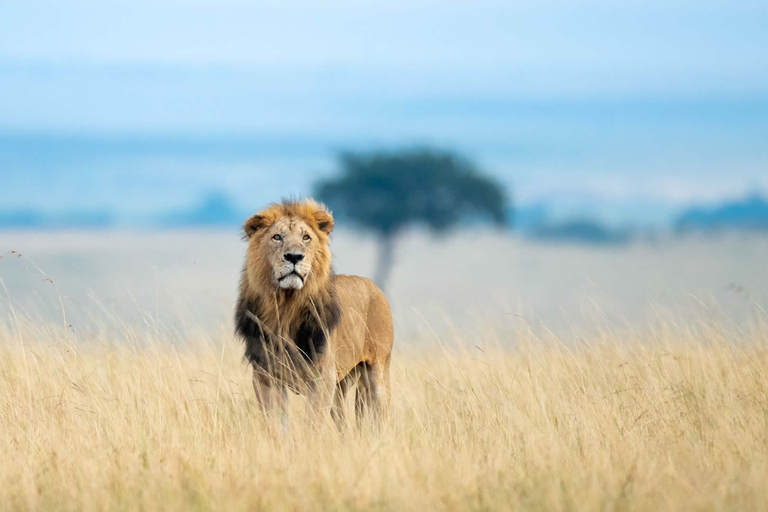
{"x": 306, "y": 237}
{"x": 277, "y": 237}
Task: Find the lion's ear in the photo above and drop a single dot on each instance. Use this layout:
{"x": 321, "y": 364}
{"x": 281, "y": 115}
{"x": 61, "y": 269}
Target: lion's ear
{"x": 324, "y": 221}
{"x": 253, "y": 224}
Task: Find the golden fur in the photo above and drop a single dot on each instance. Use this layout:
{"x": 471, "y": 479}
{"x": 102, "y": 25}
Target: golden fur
{"x": 282, "y": 311}
{"x": 306, "y": 329}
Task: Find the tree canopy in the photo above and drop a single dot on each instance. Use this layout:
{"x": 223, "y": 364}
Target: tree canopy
{"x": 387, "y": 191}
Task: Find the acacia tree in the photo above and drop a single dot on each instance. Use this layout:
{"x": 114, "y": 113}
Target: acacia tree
{"x": 385, "y": 192}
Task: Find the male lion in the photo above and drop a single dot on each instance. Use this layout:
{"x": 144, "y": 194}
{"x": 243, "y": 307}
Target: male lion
{"x": 306, "y": 329}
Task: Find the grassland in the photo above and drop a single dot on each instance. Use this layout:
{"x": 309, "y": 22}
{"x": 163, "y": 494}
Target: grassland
{"x": 670, "y": 419}
{"x": 638, "y": 379}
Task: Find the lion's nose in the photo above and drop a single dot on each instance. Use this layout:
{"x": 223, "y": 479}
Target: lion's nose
{"x": 293, "y": 258}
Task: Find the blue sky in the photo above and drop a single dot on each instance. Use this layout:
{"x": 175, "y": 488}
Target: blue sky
{"x": 273, "y": 52}
{"x": 652, "y": 102}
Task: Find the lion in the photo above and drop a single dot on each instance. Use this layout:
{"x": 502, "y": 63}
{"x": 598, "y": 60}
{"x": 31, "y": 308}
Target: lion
{"x": 306, "y": 329}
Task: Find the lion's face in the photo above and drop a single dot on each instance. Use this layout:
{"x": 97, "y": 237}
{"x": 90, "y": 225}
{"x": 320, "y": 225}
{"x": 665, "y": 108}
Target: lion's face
{"x": 288, "y": 246}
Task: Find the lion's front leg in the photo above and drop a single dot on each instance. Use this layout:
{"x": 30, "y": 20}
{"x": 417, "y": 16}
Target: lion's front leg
{"x": 320, "y": 394}
{"x": 271, "y": 396}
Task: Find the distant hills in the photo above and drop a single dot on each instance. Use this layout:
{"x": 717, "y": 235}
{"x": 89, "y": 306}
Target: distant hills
{"x": 581, "y": 231}
{"x": 746, "y": 214}
{"x": 37, "y": 219}
{"x": 750, "y": 213}
{"x": 216, "y": 208}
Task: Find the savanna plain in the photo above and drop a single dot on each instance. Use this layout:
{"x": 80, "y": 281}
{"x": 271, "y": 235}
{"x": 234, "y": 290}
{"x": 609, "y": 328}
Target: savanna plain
{"x": 525, "y": 376}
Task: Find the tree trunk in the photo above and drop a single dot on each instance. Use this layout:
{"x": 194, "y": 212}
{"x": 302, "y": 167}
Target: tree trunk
{"x": 384, "y": 260}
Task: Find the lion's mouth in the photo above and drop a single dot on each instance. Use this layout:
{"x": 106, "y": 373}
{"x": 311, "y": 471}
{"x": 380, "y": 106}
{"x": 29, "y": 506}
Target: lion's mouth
{"x": 294, "y": 273}
{"x": 294, "y": 280}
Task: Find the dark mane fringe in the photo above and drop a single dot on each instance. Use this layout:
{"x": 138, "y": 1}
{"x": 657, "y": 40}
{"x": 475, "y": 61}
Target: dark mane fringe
{"x": 318, "y": 319}
{"x": 254, "y": 337}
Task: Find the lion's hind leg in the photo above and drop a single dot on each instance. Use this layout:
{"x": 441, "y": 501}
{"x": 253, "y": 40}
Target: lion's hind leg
{"x": 373, "y": 393}
{"x": 362, "y": 395}
{"x": 339, "y": 410}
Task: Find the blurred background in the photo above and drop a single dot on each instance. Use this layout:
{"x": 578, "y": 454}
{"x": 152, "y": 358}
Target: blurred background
{"x": 571, "y": 163}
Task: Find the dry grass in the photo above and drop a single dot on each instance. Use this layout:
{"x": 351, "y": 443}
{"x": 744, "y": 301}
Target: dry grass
{"x": 671, "y": 420}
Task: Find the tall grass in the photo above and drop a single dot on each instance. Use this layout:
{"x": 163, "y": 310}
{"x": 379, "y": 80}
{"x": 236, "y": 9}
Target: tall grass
{"x": 675, "y": 419}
